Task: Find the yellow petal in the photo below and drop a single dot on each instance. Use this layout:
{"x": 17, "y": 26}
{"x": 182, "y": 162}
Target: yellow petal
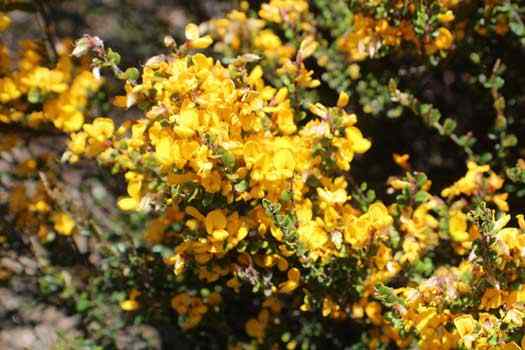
{"x": 202, "y": 43}
{"x": 215, "y": 220}
{"x": 294, "y": 274}
{"x": 64, "y": 224}
{"x": 308, "y": 47}
{"x": 191, "y": 32}
{"x": 128, "y": 203}
{"x": 129, "y": 305}
{"x": 343, "y": 99}
{"x": 465, "y": 324}
{"x": 5, "y": 21}
{"x": 220, "y": 235}
{"x": 288, "y": 287}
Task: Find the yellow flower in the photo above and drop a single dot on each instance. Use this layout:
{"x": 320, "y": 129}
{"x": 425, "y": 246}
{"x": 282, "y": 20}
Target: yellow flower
{"x": 194, "y": 38}
{"x": 402, "y": 160}
{"x": 202, "y": 43}
{"x": 373, "y": 311}
{"x": 220, "y": 235}
{"x": 510, "y": 236}
{"x": 279, "y": 10}
{"x": 307, "y": 47}
{"x": 379, "y": 216}
{"x": 8, "y": 90}
{"x": 270, "y": 13}
{"x": 457, "y": 225}
{"x": 425, "y": 319}
{"x": 134, "y": 183}
{"x": 312, "y": 235}
{"x": 191, "y": 31}
{"x": 284, "y": 163}
{"x": 77, "y": 143}
{"x": 128, "y": 203}
{"x": 359, "y": 143}
{"x": 444, "y": 39}
{"x": 338, "y": 196}
{"x": 465, "y": 325}
{"x": 501, "y": 201}
{"x": 181, "y": 303}
{"x": 267, "y": 40}
{"x": 5, "y": 21}
{"x": 215, "y": 220}
{"x": 469, "y": 183}
{"x": 129, "y": 305}
{"x": 332, "y": 309}
{"x": 446, "y": 17}
{"x": 343, "y": 99}
{"x": 294, "y": 276}
{"x": 491, "y": 299}
{"x": 60, "y": 94}
{"x": 521, "y": 221}
{"x": 510, "y": 346}
{"x": 63, "y": 223}
{"x": 40, "y": 206}
{"x": 318, "y": 109}
{"x": 178, "y": 263}
{"x": 514, "y": 318}
{"x": 167, "y": 151}
{"x": 255, "y": 329}
{"x": 101, "y": 129}
{"x": 357, "y": 232}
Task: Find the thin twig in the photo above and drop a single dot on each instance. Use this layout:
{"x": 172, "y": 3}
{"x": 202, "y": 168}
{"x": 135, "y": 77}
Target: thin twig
{"x": 48, "y": 27}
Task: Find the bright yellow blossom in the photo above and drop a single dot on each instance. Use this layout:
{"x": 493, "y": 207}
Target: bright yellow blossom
{"x": 444, "y": 39}
{"x": 5, "y": 21}
{"x": 63, "y": 223}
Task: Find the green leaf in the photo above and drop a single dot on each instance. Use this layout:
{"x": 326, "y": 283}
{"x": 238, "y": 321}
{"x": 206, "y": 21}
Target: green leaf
{"x": 517, "y": 28}
{"x": 132, "y": 73}
{"x": 228, "y": 159}
{"x": 387, "y": 295}
{"x": 421, "y": 197}
{"x": 83, "y": 303}
{"x": 33, "y": 96}
{"x": 498, "y": 82}
{"x": 421, "y": 179}
{"x": 395, "y": 112}
{"x": 509, "y": 141}
{"x": 485, "y": 158}
{"x": 449, "y": 126}
{"x": 286, "y": 196}
{"x": 425, "y": 108}
{"x": 241, "y": 186}
{"x": 113, "y": 57}
{"x": 475, "y": 58}
{"x": 435, "y": 116}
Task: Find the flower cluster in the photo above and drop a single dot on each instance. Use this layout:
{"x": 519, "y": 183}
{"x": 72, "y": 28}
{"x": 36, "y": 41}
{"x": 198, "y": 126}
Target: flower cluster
{"x": 31, "y": 202}
{"x": 33, "y": 94}
{"x": 487, "y": 281}
{"x": 246, "y": 191}
{"x": 226, "y": 161}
